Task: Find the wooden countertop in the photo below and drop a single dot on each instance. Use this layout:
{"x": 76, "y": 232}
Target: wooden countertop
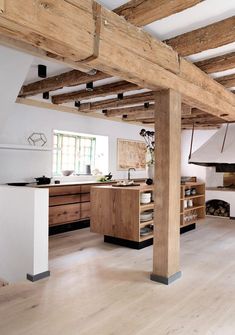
{"x": 141, "y": 187}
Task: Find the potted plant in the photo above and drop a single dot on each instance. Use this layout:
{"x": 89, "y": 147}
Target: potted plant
{"x": 149, "y": 137}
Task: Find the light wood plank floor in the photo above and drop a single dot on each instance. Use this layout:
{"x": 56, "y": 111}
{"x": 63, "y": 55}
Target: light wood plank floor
{"x": 101, "y": 289}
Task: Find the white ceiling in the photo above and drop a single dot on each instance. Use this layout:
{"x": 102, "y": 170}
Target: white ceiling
{"x": 203, "y": 14}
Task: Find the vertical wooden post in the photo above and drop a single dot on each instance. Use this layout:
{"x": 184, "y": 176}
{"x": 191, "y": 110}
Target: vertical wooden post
{"x": 167, "y": 187}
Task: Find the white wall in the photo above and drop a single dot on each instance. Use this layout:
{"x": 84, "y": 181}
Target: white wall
{"x": 23, "y": 232}
{"x": 200, "y": 137}
{"x": 23, "y": 120}
{"x": 14, "y": 66}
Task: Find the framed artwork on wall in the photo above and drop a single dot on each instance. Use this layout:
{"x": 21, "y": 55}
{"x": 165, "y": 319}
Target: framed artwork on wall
{"x": 131, "y": 154}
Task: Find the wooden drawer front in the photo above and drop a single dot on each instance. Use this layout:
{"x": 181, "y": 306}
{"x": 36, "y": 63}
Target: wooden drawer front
{"x": 64, "y": 214}
{"x": 85, "y": 188}
{"x": 85, "y": 210}
{"x": 85, "y": 197}
{"x": 64, "y": 199}
{"x": 63, "y": 190}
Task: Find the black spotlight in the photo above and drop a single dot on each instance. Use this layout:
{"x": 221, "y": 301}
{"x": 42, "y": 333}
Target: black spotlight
{"x": 120, "y": 96}
{"x": 42, "y": 71}
{"x": 45, "y": 95}
{"x": 89, "y": 86}
{"x": 77, "y": 104}
{"x": 146, "y": 105}
{"x": 104, "y": 111}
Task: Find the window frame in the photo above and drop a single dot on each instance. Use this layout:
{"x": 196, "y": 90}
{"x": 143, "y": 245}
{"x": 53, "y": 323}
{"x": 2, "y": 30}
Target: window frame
{"x": 60, "y": 135}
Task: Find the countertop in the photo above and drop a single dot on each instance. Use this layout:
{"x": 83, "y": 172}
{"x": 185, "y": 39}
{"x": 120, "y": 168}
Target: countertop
{"x": 84, "y": 183}
{"x": 142, "y": 186}
{"x": 74, "y": 183}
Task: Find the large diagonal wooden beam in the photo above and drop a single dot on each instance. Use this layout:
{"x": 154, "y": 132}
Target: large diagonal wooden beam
{"x": 209, "y": 37}
{"x": 108, "y": 43}
{"x": 71, "y": 78}
{"x": 217, "y": 64}
{"x": 74, "y": 77}
{"x": 143, "y": 12}
{"x": 100, "y": 91}
{"x": 227, "y": 81}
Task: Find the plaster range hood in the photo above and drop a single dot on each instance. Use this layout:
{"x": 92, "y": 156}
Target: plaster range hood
{"x": 212, "y": 154}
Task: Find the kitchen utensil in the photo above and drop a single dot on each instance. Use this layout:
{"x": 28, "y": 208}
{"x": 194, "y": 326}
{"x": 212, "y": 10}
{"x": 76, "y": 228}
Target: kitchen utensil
{"x": 108, "y": 176}
{"x": 18, "y": 184}
{"x": 43, "y": 180}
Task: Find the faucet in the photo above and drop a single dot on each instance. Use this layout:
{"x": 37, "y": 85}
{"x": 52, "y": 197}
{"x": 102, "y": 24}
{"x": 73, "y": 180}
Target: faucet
{"x": 129, "y": 172}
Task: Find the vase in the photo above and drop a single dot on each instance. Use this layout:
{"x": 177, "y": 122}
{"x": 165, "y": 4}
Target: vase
{"x": 150, "y": 171}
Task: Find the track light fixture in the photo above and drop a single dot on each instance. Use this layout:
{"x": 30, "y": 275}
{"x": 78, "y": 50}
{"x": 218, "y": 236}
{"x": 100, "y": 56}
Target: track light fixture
{"x": 77, "y": 104}
{"x": 120, "y": 96}
{"x": 46, "y": 95}
{"x": 89, "y": 86}
{"x": 42, "y": 71}
{"x": 146, "y": 105}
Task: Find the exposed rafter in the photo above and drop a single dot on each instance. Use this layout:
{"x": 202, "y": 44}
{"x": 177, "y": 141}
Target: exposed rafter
{"x": 129, "y": 111}
{"x": 71, "y": 78}
{"x": 209, "y": 37}
{"x": 227, "y": 81}
{"x": 140, "y": 111}
{"x": 217, "y": 64}
{"x": 151, "y": 64}
{"x": 100, "y": 91}
{"x": 143, "y": 12}
{"x": 127, "y": 100}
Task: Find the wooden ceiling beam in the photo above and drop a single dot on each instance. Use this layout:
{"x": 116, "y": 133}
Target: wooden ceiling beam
{"x": 209, "y": 37}
{"x": 217, "y": 64}
{"x": 227, "y": 81}
{"x": 99, "y": 91}
{"x": 123, "y": 50}
{"x": 127, "y": 100}
{"x": 129, "y": 111}
{"x": 140, "y": 111}
{"x": 143, "y": 12}
{"x": 67, "y": 79}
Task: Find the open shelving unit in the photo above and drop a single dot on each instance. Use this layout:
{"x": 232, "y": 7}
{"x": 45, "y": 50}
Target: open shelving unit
{"x": 143, "y": 208}
{"x": 190, "y": 215}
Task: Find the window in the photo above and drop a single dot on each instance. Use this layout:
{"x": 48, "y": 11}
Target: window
{"x": 73, "y": 152}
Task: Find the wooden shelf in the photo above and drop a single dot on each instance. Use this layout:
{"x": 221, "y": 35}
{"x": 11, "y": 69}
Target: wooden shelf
{"x": 23, "y": 147}
{"x": 146, "y": 223}
{"x": 146, "y": 237}
{"x": 146, "y": 207}
{"x": 193, "y": 196}
{"x": 193, "y": 208}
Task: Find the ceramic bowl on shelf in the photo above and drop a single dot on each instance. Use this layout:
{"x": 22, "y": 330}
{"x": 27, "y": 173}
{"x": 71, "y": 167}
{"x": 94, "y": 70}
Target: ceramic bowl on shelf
{"x": 145, "y": 198}
{"x": 146, "y": 216}
{"x": 145, "y": 231}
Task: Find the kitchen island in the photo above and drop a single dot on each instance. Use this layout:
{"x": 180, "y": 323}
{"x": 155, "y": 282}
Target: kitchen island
{"x": 117, "y": 212}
